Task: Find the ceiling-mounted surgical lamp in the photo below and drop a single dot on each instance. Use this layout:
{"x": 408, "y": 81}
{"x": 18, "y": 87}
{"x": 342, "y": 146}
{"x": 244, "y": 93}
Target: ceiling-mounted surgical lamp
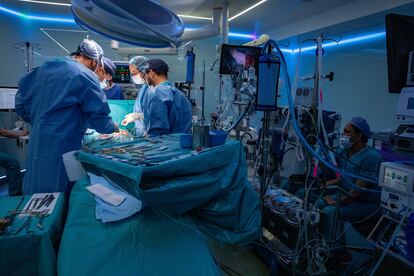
{"x": 146, "y": 24}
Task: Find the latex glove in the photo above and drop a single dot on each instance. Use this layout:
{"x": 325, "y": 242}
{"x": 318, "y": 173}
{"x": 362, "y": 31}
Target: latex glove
{"x": 131, "y": 117}
{"x": 123, "y": 132}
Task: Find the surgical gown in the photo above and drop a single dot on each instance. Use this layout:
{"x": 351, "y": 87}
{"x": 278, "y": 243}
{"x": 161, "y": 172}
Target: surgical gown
{"x": 140, "y": 130}
{"x": 60, "y": 99}
{"x": 167, "y": 110}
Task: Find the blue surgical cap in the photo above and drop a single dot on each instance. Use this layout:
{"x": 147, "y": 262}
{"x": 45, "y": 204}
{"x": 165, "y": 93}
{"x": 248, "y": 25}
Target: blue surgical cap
{"x": 362, "y": 125}
{"x": 158, "y": 66}
{"x": 140, "y": 62}
{"x": 109, "y": 66}
{"x": 90, "y": 49}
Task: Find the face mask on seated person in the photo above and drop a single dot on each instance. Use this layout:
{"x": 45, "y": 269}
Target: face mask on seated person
{"x": 346, "y": 141}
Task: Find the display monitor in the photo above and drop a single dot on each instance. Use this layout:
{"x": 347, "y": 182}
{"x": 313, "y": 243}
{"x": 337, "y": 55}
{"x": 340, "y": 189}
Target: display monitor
{"x": 233, "y": 55}
{"x": 122, "y": 73}
{"x": 397, "y": 179}
{"x": 400, "y": 42}
{"x": 7, "y": 95}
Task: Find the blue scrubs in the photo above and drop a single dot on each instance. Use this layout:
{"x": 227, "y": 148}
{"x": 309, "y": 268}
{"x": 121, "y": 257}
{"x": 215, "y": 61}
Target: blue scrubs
{"x": 60, "y": 99}
{"x": 114, "y": 93}
{"x": 12, "y": 166}
{"x": 167, "y": 110}
{"x": 140, "y": 129}
{"x": 366, "y": 162}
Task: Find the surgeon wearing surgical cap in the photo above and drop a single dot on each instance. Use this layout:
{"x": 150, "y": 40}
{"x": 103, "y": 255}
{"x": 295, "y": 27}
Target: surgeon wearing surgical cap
{"x": 112, "y": 90}
{"x": 137, "y": 67}
{"x": 166, "y": 109}
{"x": 357, "y": 157}
{"x": 60, "y": 99}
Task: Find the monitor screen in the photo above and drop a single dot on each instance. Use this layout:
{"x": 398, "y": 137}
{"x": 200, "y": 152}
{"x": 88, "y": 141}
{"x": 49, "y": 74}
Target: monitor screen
{"x": 122, "y": 73}
{"x": 233, "y": 55}
{"x": 410, "y": 104}
{"x": 400, "y": 41}
{"x": 7, "y": 95}
{"x": 396, "y": 179}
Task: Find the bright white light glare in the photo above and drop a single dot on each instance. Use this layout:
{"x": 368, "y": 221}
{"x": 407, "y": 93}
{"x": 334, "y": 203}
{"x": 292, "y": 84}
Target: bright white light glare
{"x": 195, "y": 17}
{"x": 284, "y": 50}
{"x": 344, "y": 41}
{"x": 50, "y": 19}
{"x": 47, "y": 3}
{"x": 246, "y": 10}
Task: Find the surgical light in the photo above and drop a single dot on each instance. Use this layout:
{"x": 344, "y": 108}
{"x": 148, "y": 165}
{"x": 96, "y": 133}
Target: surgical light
{"x": 246, "y": 10}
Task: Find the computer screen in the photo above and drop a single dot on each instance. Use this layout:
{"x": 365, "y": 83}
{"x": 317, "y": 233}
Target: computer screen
{"x": 122, "y": 73}
{"x": 7, "y": 95}
{"x": 410, "y": 104}
{"x": 397, "y": 179}
{"x": 233, "y": 55}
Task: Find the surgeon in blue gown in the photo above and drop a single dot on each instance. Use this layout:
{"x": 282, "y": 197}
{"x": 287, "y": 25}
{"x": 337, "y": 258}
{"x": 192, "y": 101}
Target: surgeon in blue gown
{"x": 166, "y": 109}
{"x": 61, "y": 99}
{"x": 111, "y": 89}
{"x": 138, "y": 65}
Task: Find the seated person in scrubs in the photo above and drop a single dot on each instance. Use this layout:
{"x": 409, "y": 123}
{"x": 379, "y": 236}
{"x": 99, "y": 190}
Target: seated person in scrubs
{"x": 11, "y": 164}
{"x": 166, "y": 109}
{"x": 112, "y": 90}
{"x": 138, "y": 66}
{"x": 357, "y": 157}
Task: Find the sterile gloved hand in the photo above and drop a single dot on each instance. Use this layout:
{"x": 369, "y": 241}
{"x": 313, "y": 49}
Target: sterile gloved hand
{"x": 131, "y": 117}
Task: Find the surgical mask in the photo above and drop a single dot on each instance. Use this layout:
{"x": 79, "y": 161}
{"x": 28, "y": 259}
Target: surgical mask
{"x": 104, "y": 84}
{"x": 346, "y": 141}
{"x": 137, "y": 79}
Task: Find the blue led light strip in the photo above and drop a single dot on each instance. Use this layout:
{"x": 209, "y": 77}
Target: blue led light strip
{"x": 35, "y": 17}
{"x": 343, "y": 42}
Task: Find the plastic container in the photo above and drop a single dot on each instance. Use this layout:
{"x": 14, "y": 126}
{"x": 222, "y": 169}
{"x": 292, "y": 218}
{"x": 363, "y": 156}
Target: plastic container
{"x": 186, "y": 141}
{"x": 217, "y": 137}
{"x": 73, "y": 167}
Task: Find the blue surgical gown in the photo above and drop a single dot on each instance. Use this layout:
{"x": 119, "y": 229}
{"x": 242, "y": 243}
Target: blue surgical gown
{"x": 366, "y": 162}
{"x": 60, "y": 99}
{"x": 140, "y": 129}
{"x": 167, "y": 110}
{"x": 114, "y": 93}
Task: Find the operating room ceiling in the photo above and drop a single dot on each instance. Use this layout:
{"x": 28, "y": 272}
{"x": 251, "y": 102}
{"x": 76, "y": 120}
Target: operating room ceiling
{"x": 273, "y": 16}
{"x": 269, "y": 15}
